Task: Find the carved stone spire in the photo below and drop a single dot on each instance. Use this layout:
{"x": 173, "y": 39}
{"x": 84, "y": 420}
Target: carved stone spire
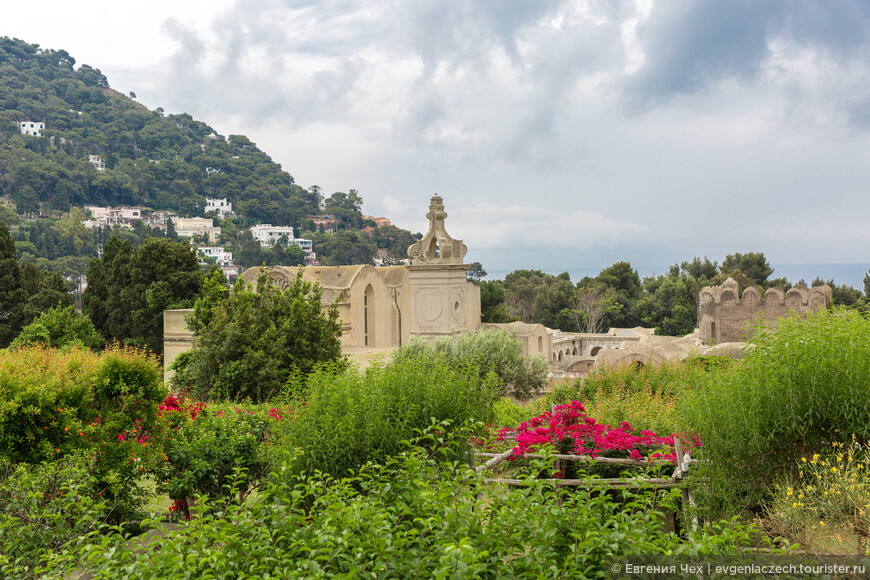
{"x": 437, "y": 247}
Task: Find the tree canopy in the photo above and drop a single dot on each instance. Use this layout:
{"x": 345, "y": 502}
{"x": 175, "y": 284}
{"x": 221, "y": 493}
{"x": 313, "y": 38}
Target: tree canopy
{"x": 129, "y": 288}
{"x": 249, "y": 342}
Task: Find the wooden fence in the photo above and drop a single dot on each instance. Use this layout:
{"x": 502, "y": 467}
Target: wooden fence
{"x": 680, "y": 471}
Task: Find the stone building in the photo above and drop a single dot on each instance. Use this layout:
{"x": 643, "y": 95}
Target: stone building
{"x": 724, "y": 316}
{"x": 535, "y": 339}
{"x": 197, "y": 226}
{"x": 380, "y": 308}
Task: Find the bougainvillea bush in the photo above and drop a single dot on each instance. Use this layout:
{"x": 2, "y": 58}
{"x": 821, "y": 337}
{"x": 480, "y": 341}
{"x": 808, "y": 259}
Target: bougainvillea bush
{"x": 216, "y": 450}
{"x": 56, "y": 403}
{"x": 567, "y": 429}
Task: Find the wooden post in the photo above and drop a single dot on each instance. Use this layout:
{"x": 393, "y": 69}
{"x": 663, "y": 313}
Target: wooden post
{"x": 678, "y": 472}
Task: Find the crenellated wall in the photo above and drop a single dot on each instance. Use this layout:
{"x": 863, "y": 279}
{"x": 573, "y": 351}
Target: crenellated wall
{"x": 725, "y": 316}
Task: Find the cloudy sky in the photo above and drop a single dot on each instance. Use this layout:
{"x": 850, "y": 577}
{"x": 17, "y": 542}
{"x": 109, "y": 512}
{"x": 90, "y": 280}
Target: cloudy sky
{"x": 563, "y": 135}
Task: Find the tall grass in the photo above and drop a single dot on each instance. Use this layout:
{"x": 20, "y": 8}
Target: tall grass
{"x": 799, "y": 389}
{"x": 348, "y": 419}
{"x": 643, "y": 395}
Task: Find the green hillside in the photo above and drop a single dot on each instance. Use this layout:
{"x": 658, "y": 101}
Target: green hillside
{"x": 160, "y": 161}
{"x": 167, "y": 162}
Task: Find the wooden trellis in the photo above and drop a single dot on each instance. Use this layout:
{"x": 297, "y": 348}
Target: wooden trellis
{"x": 680, "y": 471}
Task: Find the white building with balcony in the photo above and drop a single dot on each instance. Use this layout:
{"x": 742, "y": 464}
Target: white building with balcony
{"x": 112, "y": 216}
{"x": 269, "y": 235}
{"x": 221, "y": 256}
{"x": 219, "y": 206}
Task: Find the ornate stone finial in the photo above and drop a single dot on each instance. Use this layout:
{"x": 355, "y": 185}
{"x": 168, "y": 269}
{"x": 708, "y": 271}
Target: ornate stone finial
{"x": 437, "y": 247}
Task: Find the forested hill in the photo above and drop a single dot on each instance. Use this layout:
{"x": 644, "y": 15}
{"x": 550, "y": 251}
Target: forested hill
{"x": 166, "y": 162}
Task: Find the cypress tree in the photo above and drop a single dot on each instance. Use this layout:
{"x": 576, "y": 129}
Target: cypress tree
{"x": 12, "y": 294}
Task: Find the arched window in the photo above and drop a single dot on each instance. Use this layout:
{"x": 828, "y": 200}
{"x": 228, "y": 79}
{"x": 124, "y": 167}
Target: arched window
{"x": 369, "y": 316}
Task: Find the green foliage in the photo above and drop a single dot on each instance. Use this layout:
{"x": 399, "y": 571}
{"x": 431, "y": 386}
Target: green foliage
{"x": 356, "y": 416}
{"x": 669, "y": 306}
{"x": 492, "y": 302}
{"x": 344, "y": 247}
{"x": 129, "y": 288}
{"x": 510, "y": 413}
{"x": 799, "y": 389}
{"x": 215, "y": 454}
{"x": 411, "y": 516}
{"x": 60, "y": 327}
{"x": 248, "y": 343}
{"x": 553, "y": 305}
{"x": 490, "y": 350}
{"x": 44, "y": 509}
{"x": 625, "y": 282}
{"x": 56, "y": 403}
{"x": 752, "y": 265}
{"x": 45, "y": 290}
{"x": 12, "y": 294}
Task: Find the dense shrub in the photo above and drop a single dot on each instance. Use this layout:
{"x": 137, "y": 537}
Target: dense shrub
{"x": 799, "y": 389}
{"x": 490, "y": 350}
{"x": 60, "y": 327}
{"x": 354, "y": 417}
{"x": 46, "y": 508}
{"x": 213, "y": 450}
{"x": 55, "y": 403}
{"x": 413, "y": 516}
{"x": 249, "y": 342}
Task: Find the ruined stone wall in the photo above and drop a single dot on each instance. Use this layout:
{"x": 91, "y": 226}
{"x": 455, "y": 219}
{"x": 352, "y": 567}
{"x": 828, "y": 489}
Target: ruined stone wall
{"x": 724, "y": 316}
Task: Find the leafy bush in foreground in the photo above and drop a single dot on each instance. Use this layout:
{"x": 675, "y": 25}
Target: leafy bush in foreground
{"x": 54, "y": 403}
{"x": 414, "y": 516}
{"x": 799, "y": 389}
{"x": 211, "y": 450}
{"x": 348, "y": 419}
{"x": 45, "y": 508}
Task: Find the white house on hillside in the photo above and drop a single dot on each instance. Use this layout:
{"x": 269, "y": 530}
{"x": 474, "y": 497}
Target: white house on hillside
{"x": 219, "y": 206}
{"x": 31, "y": 128}
{"x": 221, "y": 256}
{"x": 97, "y": 162}
{"x": 269, "y": 235}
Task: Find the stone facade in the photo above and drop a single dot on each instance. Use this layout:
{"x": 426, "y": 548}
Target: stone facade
{"x": 724, "y": 316}
{"x": 443, "y": 302}
{"x": 534, "y": 338}
{"x": 382, "y": 308}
